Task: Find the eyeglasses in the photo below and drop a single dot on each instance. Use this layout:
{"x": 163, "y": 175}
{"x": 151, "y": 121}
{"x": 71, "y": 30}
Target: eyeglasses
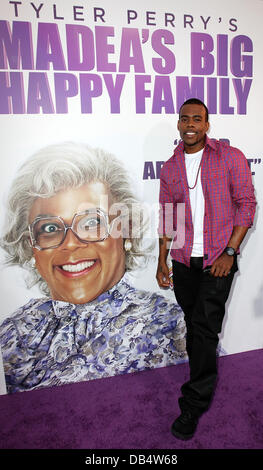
{"x": 88, "y": 226}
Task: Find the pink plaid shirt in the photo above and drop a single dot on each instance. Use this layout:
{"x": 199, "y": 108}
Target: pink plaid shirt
{"x": 228, "y": 193}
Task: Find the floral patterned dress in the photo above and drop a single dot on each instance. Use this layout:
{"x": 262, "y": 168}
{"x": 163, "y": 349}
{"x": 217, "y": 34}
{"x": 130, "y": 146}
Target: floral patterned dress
{"x": 48, "y": 342}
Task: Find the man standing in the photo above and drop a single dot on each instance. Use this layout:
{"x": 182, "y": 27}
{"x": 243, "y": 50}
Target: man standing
{"x": 214, "y": 182}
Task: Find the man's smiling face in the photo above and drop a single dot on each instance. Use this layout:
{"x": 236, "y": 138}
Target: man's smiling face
{"x": 193, "y": 127}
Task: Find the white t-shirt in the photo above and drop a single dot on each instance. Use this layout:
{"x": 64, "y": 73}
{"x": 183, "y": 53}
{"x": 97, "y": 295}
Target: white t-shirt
{"x": 192, "y": 162}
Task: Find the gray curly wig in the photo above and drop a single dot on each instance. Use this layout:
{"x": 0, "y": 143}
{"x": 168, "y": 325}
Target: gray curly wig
{"x": 59, "y": 167}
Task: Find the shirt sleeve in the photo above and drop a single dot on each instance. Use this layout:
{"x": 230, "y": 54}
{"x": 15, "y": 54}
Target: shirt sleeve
{"x": 8, "y": 337}
{"x": 242, "y": 189}
{"x": 9, "y": 340}
{"x": 162, "y": 339}
{"x": 165, "y": 206}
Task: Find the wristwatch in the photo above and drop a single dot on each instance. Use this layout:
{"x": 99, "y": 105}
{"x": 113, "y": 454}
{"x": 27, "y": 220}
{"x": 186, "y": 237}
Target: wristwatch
{"x": 230, "y": 251}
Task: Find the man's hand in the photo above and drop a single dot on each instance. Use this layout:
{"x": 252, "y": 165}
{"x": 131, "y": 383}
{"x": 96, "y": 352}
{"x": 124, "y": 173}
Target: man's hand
{"x": 222, "y": 265}
{"x": 162, "y": 274}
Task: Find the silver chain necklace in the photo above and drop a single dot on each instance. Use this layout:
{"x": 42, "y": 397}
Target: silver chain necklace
{"x": 192, "y": 187}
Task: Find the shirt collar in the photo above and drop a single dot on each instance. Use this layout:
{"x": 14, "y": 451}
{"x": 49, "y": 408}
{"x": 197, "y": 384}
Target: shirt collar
{"x": 210, "y": 143}
{"x": 117, "y": 291}
{"x": 179, "y": 150}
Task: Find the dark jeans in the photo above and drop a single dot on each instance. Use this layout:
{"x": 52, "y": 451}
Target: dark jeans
{"x": 202, "y": 298}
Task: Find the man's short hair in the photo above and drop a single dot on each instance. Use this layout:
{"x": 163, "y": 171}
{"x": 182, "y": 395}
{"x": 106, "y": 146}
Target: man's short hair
{"x": 196, "y": 101}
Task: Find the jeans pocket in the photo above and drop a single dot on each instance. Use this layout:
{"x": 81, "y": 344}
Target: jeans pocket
{"x": 223, "y": 284}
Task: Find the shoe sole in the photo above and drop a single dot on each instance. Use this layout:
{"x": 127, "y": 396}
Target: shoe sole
{"x": 184, "y": 437}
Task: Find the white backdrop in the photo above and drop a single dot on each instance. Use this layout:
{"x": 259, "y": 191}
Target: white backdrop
{"x": 141, "y": 136}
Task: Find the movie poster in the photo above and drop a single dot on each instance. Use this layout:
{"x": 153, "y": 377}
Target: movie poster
{"x": 89, "y": 100}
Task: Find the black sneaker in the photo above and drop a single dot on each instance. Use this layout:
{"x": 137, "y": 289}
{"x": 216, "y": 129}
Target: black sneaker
{"x": 185, "y": 425}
